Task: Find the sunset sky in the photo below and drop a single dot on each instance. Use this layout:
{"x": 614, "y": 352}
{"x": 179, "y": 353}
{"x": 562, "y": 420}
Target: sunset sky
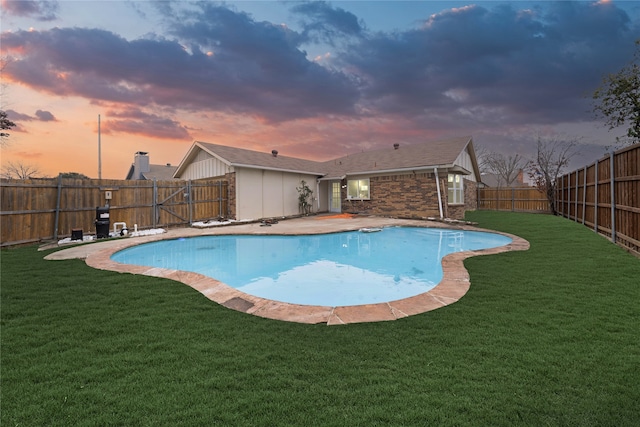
{"x": 316, "y": 80}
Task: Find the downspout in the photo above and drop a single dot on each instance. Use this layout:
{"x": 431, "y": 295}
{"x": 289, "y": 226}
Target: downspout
{"x": 435, "y": 171}
{"x": 317, "y": 194}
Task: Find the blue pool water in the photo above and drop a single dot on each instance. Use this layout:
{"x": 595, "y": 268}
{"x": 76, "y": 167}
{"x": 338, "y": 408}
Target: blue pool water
{"x": 349, "y": 268}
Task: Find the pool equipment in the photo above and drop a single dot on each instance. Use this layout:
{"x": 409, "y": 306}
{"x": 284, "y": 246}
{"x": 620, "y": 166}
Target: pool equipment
{"x": 123, "y": 230}
{"x": 102, "y": 222}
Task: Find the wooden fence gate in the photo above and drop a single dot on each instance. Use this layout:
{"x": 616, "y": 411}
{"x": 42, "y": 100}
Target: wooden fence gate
{"x": 49, "y": 209}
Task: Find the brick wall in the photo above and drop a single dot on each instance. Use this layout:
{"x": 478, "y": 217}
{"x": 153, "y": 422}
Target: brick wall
{"x": 470, "y": 201}
{"x": 405, "y": 196}
{"x": 231, "y": 190}
{"x": 470, "y": 195}
{"x": 410, "y": 196}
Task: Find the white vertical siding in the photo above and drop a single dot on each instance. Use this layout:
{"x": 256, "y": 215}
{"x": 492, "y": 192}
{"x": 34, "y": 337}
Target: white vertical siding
{"x": 248, "y": 194}
{"x": 464, "y": 160}
{"x": 204, "y": 165}
{"x": 268, "y": 194}
{"x": 273, "y": 194}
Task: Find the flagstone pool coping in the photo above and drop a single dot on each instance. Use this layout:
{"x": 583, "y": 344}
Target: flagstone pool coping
{"x": 454, "y": 285}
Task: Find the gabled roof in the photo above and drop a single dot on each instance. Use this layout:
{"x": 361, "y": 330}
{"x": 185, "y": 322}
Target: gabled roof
{"x": 240, "y": 157}
{"x": 441, "y": 153}
{"x": 158, "y": 172}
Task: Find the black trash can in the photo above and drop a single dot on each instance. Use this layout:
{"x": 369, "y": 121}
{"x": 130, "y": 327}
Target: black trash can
{"x": 102, "y": 222}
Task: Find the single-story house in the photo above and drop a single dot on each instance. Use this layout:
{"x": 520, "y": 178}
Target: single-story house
{"x": 431, "y": 179}
{"x": 142, "y": 169}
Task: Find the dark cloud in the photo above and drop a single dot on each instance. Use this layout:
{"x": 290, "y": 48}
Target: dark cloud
{"x": 500, "y": 65}
{"x": 42, "y": 10}
{"x": 503, "y": 63}
{"x": 40, "y": 115}
{"x": 326, "y": 23}
{"x": 225, "y": 61}
{"x": 137, "y": 122}
{"x": 18, "y": 117}
{"x": 45, "y": 116}
{"x": 466, "y": 68}
{"x": 259, "y": 68}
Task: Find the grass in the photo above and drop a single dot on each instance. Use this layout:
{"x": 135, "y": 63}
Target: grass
{"x": 544, "y": 337}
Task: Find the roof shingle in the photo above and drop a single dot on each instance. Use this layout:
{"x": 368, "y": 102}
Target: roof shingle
{"x": 243, "y": 157}
{"x": 428, "y": 154}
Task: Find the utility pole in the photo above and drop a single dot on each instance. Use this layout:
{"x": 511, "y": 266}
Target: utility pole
{"x": 99, "y": 151}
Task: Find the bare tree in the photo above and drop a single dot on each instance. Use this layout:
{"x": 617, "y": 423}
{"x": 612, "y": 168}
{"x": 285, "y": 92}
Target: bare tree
{"x": 482, "y": 158}
{"x": 19, "y": 170}
{"x": 505, "y": 168}
{"x": 552, "y": 157}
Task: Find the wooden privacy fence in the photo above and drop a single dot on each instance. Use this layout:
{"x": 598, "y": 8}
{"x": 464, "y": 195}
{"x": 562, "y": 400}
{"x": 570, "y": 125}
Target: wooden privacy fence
{"x": 46, "y": 209}
{"x": 606, "y": 197}
{"x": 521, "y": 199}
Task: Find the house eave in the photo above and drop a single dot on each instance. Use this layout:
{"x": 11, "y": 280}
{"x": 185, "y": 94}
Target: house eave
{"x": 332, "y": 178}
{"x": 448, "y": 167}
{"x": 240, "y": 165}
{"x": 191, "y": 153}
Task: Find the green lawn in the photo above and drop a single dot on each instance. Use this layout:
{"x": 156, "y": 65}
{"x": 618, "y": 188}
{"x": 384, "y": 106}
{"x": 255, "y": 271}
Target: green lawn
{"x": 550, "y": 336}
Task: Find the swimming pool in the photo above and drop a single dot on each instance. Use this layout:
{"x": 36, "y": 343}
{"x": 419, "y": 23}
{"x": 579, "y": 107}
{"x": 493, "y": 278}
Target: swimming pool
{"x": 337, "y": 269}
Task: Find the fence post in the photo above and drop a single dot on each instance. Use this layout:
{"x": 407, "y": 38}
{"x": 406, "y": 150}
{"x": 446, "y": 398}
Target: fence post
{"x": 513, "y": 199}
{"x": 55, "y": 228}
{"x": 155, "y": 203}
{"x": 584, "y": 195}
{"x": 561, "y": 195}
{"x": 613, "y": 200}
{"x": 595, "y": 200}
{"x": 220, "y": 213}
{"x": 189, "y": 203}
{"x": 575, "y": 203}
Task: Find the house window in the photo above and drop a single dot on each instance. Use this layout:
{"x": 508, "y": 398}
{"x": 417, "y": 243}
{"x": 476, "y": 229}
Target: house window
{"x": 358, "y": 189}
{"x": 456, "y": 190}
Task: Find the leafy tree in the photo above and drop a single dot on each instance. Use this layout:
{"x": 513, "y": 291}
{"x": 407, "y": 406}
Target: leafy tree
{"x": 618, "y": 99}
{"x": 75, "y": 175}
{"x": 304, "y": 197}
{"x": 552, "y": 157}
{"x": 5, "y": 124}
